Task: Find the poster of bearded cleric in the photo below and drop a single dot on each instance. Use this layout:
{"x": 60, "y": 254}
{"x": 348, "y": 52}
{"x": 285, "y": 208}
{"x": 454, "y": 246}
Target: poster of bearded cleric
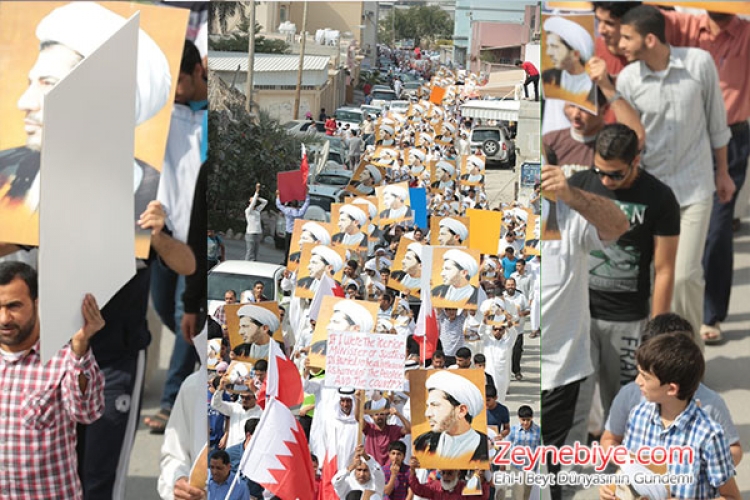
{"x": 455, "y": 278}
{"x": 310, "y": 232}
{"x": 251, "y": 328}
{"x": 314, "y": 263}
{"x": 43, "y": 42}
{"x": 449, "y": 419}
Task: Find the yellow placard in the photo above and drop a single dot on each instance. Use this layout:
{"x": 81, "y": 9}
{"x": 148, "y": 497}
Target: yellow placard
{"x": 484, "y": 229}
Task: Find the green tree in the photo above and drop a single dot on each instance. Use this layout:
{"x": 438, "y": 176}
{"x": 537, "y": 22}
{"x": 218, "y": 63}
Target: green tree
{"x": 243, "y": 153}
{"x": 238, "y": 42}
{"x": 219, "y": 14}
{"x": 424, "y": 24}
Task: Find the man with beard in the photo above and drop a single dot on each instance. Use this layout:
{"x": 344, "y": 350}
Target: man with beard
{"x": 458, "y": 268}
{"x": 363, "y": 474}
{"x": 569, "y": 47}
{"x": 351, "y": 221}
{"x": 43, "y": 402}
{"x": 312, "y": 232}
{"x": 452, "y": 232}
{"x": 444, "y": 172}
{"x": 411, "y": 274}
{"x": 452, "y": 403}
{"x": 448, "y": 487}
{"x": 394, "y": 201}
{"x": 322, "y": 260}
{"x": 247, "y": 407}
{"x": 369, "y": 177}
{"x": 257, "y": 325}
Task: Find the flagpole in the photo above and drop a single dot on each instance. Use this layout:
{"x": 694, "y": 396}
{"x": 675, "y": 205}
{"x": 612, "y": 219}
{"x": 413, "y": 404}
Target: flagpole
{"x": 231, "y": 487}
{"x": 246, "y": 452}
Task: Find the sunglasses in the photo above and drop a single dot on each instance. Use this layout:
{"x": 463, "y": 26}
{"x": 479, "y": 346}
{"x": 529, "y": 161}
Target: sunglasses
{"x": 615, "y": 176}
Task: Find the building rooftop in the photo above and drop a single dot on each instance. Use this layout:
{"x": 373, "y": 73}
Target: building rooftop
{"x": 228, "y": 61}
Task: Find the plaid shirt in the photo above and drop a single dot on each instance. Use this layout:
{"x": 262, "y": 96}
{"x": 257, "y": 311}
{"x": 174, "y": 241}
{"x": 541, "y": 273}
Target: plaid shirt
{"x": 40, "y": 407}
{"x": 402, "y": 481}
{"x": 520, "y": 437}
{"x": 712, "y": 466}
{"x": 220, "y": 316}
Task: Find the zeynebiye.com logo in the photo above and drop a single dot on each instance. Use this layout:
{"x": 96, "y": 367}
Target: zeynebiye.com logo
{"x": 528, "y": 459}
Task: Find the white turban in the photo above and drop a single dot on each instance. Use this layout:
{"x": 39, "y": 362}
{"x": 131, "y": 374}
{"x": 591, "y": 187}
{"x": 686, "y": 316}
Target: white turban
{"x": 476, "y": 161}
{"x": 354, "y": 213}
{"x": 390, "y": 152}
{"x": 386, "y": 129}
{"x": 396, "y": 191}
{"x": 574, "y": 35}
{"x": 456, "y": 227}
{"x": 460, "y": 388}
{"x": 417, "y": 109}
{"x": 85, "y": 26}
{"x": 384, "y": 325}
{"x": 416, "y": 248}
{"x": 318, "y": 231}
{"x": 374, "y": 173}
{"x": 417, "y": 153}
{"x": 462, "y": 260}
{"x": 239, "y": 373}
{"x": 371, "y": 208}
{"x": 450, "y": 127}
{"x": 358, "y": 315}
{"x": 447, "y": 167}
{"x": 370, "y": 265}
{"x": 329, "y": 256}
{"x": 427, "y": 138}
{"x": 261, "y": 315}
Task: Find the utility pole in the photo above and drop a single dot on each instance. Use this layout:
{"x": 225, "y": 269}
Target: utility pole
{"x": 298, "y": 92}
{"x": 250, "y": 61}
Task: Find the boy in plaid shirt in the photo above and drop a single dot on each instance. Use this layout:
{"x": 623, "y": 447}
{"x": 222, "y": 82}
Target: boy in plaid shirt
{"x": 670, "y": 367}
{"x": 525, "y": 433}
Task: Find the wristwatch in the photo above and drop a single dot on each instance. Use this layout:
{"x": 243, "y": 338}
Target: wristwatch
{"x": 615, "y": 97}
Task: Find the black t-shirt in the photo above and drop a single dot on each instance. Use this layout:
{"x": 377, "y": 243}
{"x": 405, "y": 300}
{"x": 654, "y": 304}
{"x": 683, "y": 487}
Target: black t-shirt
{"x": 620, "y": 276}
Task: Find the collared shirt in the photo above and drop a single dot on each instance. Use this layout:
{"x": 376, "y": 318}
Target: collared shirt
{"x": 220, "y": 490}
{"x": 712, "y": 465}
{"x": 292, "y": 214}
{"x": 728, "y": 48}
{"x": 520, "y": 437}
{"x": 683, "y": 113}
{"x": 401, "y": 489}
{"x": 40, "y": 406}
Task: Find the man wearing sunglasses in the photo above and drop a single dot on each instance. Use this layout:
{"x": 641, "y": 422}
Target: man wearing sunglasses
{"x": 619, "y": 275}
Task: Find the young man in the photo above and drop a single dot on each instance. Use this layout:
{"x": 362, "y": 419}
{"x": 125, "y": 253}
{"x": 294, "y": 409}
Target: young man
{"x": 532, "y": 76}
{"x": 620, "y": 294}
{"x": 254, "y": 229}
{"x": 525, "y": 433}
{"x": 670, "y": 368}
{"x": 497, "y": 413}
{"x": 396, "y": 472}
{"x": 379, "y": 435}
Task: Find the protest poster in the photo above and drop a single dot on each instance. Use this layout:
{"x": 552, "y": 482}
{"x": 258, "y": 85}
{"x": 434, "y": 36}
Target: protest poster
{"x": 394, "y": 204}
{"x": 365, "y": 360}
{"x": 340, "y": 315}
{"x": 533, "y": 232}
{"x": 314, "y": 261}
{"x": 443, "y": 175}
{"x": 455, "y": 278}
{"x": 365, "y": 179}
{"x": 291, "y": 186}
{"x": 568, "y": 44}
{"x": 429, "y": 391}
{"x": 161, "y": 37}
{"x": 406, "y": 273}
{"x": 450, "y": 231}
{"x": 351, "y": 225}
{"x": 472, "y": 170}
{"x": 484, "y": 230}
{"x": 306, "y": 232}
{"x": 243, "y": 328}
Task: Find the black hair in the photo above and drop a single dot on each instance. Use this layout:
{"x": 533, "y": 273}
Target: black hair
{"x": 220, "y": 455}
{"x": 479, "y": 358}
{"x": 438, "y": 354}
{"x": 646, "y": 19}
{"x": 261, "y": 365}
{"x": 250, "y": 425}
{"x": 617, "y": 142}
{"x": 259, "y": 282}
{"x": 190, "y": 57}
{"x": 525, "y": 411}
{"x": 463, "y": 352}
{"x": 398, "y": 446}
{"x": 666, "y": 323}
{"x": 354, "y": 495}
{"x": 673, "y": 358}
{"x": 518, "y": 62}
{"x": 616, "y": 9}
{"x": 353, "y": 264}
{"x": 12, "y": 270}
{"x": 490, "y": 391}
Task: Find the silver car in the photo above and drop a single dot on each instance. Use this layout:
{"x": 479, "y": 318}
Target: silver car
{"x": 495, "y": 143}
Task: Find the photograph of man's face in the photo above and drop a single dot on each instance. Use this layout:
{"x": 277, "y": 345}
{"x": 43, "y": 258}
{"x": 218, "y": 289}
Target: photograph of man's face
{"x": 347, "y": 224}
{"x": 340, "y": 322}
{"x": 445, "y": 236}
{"x": 440, "y": 413}
{"x": 249, "y": 330}
{"x": 561, "y": 55}
{"x": 452, "y": 274}
{"x": 316, "y": 267}
{"x": 410, "y": 262}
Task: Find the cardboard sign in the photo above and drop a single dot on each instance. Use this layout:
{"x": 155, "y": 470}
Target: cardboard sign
{"x": 242, "y": 331}
{"x": 291, "y": 186}
{"x": 484, "y": 229}
{"x": 306, "y": 232}
{"x": 394, "y": 204}
{"x": 314, "y": 261}
{"x": 365, "y": 360}
{"x": 455, "y": 278}
{"x": 406, "y": 272}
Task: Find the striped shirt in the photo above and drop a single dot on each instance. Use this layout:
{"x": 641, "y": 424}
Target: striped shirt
{"x": 40, "y": 406}
{"x": 531, "y": 438}
{"x": 712, "y": 465}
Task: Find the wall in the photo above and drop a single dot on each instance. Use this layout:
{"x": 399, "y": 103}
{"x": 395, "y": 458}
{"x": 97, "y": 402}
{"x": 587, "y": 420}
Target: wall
{"x": 342, "y": 16}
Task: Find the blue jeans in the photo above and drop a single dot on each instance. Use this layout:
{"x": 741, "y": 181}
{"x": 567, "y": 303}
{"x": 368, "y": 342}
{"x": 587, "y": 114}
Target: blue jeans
{"x": 718, "y": 257}
{"x": 166, "y": 294}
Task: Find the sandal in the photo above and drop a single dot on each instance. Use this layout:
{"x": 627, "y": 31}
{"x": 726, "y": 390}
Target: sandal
{"x": 157, "y": 424}
{"x": 711, "y": 334}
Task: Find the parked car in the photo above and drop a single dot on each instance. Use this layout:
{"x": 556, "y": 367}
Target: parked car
{"x": 401, "y": 107}
{"x": 382, "y": 97}
{"x": 411, "y": 89}
{"x": 241, "y": 275}
{"x": 373, "y": 111}
{"x": 350, "y": 115}
{"x": 495, "y": 143}
{"x": 303, "y": 127}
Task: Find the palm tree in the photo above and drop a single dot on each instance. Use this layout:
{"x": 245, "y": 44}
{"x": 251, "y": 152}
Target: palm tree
{"x": 221, "y": 12}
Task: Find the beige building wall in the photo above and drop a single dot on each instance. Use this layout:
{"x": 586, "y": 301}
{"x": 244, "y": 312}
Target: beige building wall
{"x": 280, "y": 103}
{"x": 342, "y": 16}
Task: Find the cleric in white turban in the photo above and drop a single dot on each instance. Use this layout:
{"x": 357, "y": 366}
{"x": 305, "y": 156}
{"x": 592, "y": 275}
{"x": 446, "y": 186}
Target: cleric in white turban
{"x": 410, "y": 274}
{"x": 257, "y": 325}
{"x": 444, "y": 172}
{"x": 395, "y": 199}
{"x": 350, "y": 223}
{"x": 313, "y": 233}
{"x": 452, "y": 403}
{"x": 67, "y": 35}
{"x": 452, "y": 232}
{"x": 569, "y": 46}
{"x": 458, "y": 268}
{"x": 323, "y": 259}
{"x": 369, "y": 177}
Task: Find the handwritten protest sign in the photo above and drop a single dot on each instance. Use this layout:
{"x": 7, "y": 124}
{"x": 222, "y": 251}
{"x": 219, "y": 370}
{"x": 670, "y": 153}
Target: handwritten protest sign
{"x": 366, "y": 360}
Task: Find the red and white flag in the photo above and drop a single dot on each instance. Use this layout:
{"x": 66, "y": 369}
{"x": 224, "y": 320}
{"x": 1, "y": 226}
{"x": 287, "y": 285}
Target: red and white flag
{"x": 282, "y": 382}
{"x": 304, "y": 166}
{"x": 426, "y": 333}
{"x": 327, "y": 287}
{"x": 279, "y": 458}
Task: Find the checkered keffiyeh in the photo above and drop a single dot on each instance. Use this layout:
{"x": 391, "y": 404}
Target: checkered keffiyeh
{"x": 712, "y": 466}
{"x": 40, "y": 407}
